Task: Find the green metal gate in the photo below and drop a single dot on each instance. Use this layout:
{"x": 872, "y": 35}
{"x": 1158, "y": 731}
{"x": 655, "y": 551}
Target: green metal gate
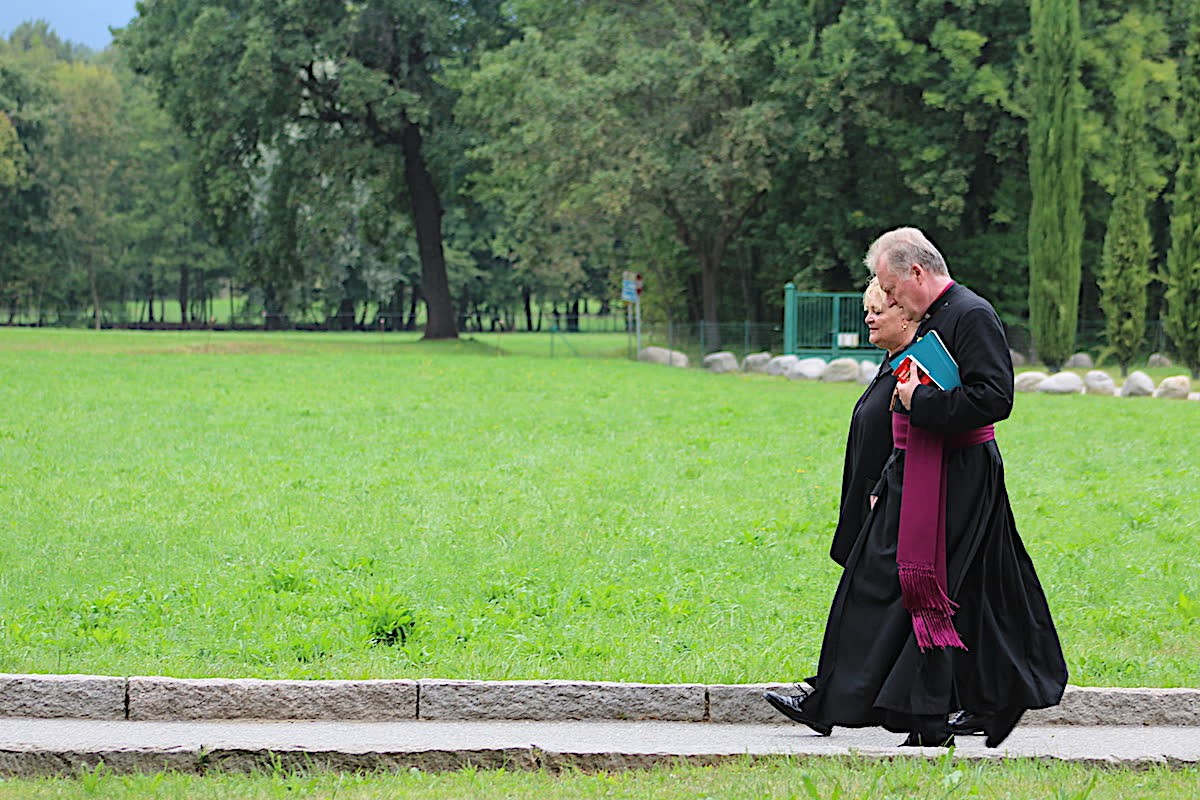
{"x": 828, "y": 324}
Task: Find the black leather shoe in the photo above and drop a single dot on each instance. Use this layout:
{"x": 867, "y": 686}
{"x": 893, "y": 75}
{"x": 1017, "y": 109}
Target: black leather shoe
{"x": 968, "y": 723}
{"x": 942, "y": 739}
{"x": 789, "y": 706}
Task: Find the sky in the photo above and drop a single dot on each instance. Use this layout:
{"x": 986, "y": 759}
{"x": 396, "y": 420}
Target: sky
{"x": 81, "y": 21}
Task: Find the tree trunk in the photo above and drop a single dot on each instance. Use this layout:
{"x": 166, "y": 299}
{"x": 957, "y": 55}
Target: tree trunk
{"x": 343, "y": 319}
{"x": 91, "y": 273}
{"x": 527, "y": 299}
{"x": 272, "y": 308}
{"x": 394, "y": 319}
{"x": 411, "y": 322}
{"x": 710, "y": 266}
{"x": 184, "y": 289}
{"x": 427, "y": 220}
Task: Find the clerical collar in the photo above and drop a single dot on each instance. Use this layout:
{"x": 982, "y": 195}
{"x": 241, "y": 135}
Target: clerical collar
{"x": 933, "y": 307}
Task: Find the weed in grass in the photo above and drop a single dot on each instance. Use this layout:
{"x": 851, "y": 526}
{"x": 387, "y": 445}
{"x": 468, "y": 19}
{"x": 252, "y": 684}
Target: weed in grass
{"x": 388, "y": 618}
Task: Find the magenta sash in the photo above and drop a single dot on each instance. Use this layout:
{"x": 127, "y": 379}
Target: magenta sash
{"x": 921, "y": 542}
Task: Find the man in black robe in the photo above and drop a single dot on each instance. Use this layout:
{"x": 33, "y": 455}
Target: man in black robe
{"x": 873, "y": 670}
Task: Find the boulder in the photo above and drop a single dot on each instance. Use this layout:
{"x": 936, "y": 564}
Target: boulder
{"x": 1029, "y": 381}
{"x": 1159, "y": 360}
{"x": 722, "y": 361}
{"x": 1018, "y": 360}
{"x": 661, "y": 355}
{"x": 756, "y": 362}
{"x": 1194, "y": 396}
{"x": 779, "y": 365}
{"x": 1176, "y": 387}
{"x": 1061, "y": 383}
{"x": 1097, "y": 382}
{"x": 806, "y": 369}
{"x": 840, "y": 370}
{"x": 1137, "y": 384}
{"x": 866, "y": 372}
{"x": 1079, "y": 361}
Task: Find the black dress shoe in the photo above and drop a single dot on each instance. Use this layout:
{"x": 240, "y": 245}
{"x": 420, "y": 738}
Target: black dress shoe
{"x": 939, "y": 739}
{"x": 968, "y": 723}
{"x": 789, "y": 706}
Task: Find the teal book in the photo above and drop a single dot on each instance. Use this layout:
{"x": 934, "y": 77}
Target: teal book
{"x": 933, "y": 362}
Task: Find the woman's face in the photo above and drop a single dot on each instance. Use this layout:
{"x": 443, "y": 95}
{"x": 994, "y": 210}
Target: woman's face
{"x": 889, "y": 327}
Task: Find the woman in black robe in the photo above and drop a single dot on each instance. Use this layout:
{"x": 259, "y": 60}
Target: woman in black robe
{"x": 873, "y": 671}
{"x": 868, "y": 446}
{"x": 869, "y": 441}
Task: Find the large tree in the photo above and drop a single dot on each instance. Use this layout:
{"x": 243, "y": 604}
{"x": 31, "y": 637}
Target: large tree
{"x": 1142, "y": 81}
{"x": 85, "y": 143}
{"x": 165, "y": 251}
{"x": 27, "y": 103}
{"x": 900, "y": 114}
{"x": 1056, "y": 179}
{"x": 262, "y": 88}
{"x": 1182, "y": 314}
{"x": 1125, "y": 263}
{"x": 608, "y": 115}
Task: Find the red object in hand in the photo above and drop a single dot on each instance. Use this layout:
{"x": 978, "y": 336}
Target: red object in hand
{"x": 905, "y": 366}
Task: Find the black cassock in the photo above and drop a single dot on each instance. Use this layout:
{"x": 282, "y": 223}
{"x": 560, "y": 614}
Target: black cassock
{"x": 871, "y": 672}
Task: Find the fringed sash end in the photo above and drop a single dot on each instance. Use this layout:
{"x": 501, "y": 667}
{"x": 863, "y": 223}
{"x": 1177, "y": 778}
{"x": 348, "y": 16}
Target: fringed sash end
{"x": 930, "y": 608}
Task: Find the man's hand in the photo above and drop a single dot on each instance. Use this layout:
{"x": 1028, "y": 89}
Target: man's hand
{"x": 904, "y": 389}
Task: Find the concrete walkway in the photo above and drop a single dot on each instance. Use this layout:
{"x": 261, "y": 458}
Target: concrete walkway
{"x": 60, "y": 724}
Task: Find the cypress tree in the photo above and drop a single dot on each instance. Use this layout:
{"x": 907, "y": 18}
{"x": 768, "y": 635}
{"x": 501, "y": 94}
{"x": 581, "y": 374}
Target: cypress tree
{"x": 1181, "y": 316}
{"x": 1125, "y": 261}
{"x": 1056, "y": 178}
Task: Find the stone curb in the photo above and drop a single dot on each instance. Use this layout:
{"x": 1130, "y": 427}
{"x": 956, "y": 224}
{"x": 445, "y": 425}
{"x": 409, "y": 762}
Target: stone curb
{"x": 166, "y": 699}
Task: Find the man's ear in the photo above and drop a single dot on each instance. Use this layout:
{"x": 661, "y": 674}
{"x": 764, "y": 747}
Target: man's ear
{"x": 918, "y": 273}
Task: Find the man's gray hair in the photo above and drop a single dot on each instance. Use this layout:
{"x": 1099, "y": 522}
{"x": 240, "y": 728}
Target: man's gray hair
{"x": 899, "y": 249}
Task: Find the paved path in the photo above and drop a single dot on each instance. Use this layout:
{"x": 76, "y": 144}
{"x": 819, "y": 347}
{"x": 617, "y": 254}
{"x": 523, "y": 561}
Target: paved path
{"x": 30, "y": 746}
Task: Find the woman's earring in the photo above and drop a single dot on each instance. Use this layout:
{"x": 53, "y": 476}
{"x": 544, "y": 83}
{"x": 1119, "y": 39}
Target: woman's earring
{"x": 904, "y": 327}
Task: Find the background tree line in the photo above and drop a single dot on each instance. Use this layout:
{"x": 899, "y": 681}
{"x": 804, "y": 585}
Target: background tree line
{"x": 464, "y": 164}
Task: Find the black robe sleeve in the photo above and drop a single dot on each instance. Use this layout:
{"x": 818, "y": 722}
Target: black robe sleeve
{"x": 975, "y": 338}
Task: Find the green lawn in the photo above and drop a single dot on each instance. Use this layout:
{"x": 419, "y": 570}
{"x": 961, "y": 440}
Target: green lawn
{"x": 370, "y": 506}
{"x": 799, "y": 778}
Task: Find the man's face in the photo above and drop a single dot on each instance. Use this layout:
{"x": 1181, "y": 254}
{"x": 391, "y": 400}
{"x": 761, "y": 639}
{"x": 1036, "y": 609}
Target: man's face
{"x": 903, "y": 291}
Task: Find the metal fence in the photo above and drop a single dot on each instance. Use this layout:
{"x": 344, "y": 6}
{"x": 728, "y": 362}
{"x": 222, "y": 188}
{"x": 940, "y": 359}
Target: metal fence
{"x": 828, "y": 324}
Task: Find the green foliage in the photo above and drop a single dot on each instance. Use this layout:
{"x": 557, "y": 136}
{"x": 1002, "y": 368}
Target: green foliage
{"x": 1056, "y": 176}
{"x": 320, "y": 159}
{"x": 1182, "y": 315}
{"x": 1125, "y": 270}
{"x": 627, "y": 121}
{"x": 12, "y": 155}
{"x": 277, "y": 99}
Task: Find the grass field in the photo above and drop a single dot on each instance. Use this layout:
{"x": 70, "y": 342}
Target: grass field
{"x": 325, "y": 506}
{"x": 794, "y": 778}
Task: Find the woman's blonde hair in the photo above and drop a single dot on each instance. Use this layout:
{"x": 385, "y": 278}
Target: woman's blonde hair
{"x": 874, "y": 297}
